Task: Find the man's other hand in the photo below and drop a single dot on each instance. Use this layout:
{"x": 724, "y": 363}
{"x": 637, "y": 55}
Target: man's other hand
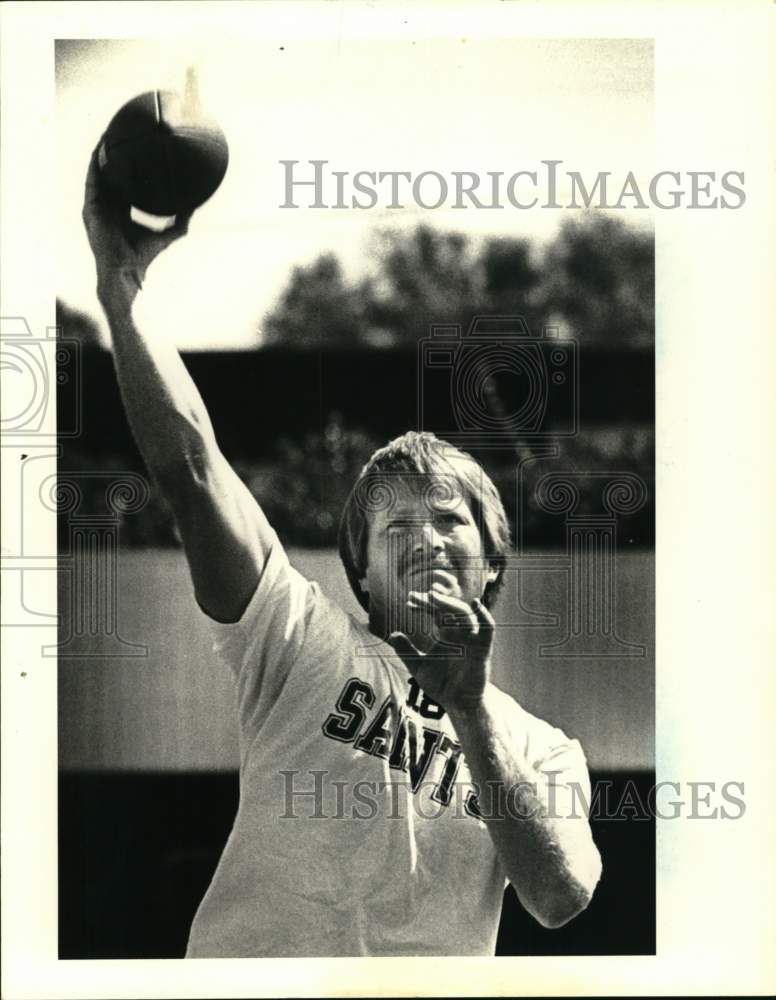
{"x": 456, "y": 670}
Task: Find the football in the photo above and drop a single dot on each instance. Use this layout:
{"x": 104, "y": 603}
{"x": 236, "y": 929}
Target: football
{"x": 162, "y": 155}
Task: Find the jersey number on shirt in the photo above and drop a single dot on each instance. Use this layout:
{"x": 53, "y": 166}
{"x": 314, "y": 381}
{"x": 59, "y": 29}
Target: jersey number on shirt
{"x": 426, "y": 707}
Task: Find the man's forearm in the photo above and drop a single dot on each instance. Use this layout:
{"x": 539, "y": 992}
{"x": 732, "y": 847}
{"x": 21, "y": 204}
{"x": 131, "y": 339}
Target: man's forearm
{"x": 551, "y": 861}
{"x": 165, "y": 410}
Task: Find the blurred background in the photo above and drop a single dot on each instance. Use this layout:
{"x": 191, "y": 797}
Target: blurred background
{"x": 307, "y": 362}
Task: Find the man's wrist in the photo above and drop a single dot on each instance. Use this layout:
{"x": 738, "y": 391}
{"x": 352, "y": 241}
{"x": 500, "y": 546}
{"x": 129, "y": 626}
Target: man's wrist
{"x": 117, "y": 290}
{"x": 473, "y": 710}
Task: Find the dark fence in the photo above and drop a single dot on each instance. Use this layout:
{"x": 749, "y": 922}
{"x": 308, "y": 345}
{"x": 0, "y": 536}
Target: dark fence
{"x": 255, "y": 397}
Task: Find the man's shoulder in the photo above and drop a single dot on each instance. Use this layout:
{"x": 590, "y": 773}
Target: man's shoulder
{"x": 324, "y": 609}
{"x": 346, "y": 635}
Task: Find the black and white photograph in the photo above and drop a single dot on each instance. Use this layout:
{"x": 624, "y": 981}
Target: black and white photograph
{"x": 372, "y": 526}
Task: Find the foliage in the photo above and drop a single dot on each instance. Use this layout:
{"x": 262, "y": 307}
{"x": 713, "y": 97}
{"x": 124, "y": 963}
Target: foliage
{"x": 601, "y": 281}
{"x": 303, "y": 488}
{"x": 318, "y": 306}
{"x": 77, "y": 325}
{"x": 595, "y": 279}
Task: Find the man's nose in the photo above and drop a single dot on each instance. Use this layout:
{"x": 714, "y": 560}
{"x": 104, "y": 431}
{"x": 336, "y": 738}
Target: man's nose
{"x": 428, "y": 537}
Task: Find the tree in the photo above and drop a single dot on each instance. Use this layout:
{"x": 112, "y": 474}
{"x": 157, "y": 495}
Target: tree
{"x": 599, "y": 278}
{"x": 318, "y": 308}
{"x": 424, "y": 278}
{"x": 596, "y": 277}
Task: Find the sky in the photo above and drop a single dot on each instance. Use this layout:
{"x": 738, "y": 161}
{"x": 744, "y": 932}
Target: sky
{"x": 362, "y": 103}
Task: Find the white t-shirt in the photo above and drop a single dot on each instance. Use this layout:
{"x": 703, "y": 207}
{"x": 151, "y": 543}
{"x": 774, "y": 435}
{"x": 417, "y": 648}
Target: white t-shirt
{"x": 382, "y": 853}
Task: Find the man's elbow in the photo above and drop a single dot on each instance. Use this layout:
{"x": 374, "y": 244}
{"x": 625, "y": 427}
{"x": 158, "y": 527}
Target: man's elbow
{"x": 568, "y": 902}
{"x": 562, "y": 910}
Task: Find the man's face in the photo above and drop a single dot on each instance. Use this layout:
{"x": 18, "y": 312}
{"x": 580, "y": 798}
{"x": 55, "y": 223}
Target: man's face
{"x": 428, "y": 540}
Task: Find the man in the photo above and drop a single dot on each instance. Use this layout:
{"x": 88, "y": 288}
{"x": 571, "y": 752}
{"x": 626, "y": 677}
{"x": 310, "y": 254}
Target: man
{"x": 388, "y": 790}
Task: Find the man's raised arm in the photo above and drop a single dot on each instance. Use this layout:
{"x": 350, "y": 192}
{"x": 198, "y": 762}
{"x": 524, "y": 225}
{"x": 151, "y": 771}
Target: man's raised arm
{"x": 225, "y": 534}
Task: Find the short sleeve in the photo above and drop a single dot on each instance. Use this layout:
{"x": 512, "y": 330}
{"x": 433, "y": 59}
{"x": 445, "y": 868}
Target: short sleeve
{"x": 559, "y": 759}
{"x": 262, "y": 646}
{"x": 568, "y": 781}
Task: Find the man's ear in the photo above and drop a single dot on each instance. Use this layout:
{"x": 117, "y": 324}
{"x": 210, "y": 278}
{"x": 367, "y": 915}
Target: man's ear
{"x": 363, "y": 585}
{"x": 493, "y": 573}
